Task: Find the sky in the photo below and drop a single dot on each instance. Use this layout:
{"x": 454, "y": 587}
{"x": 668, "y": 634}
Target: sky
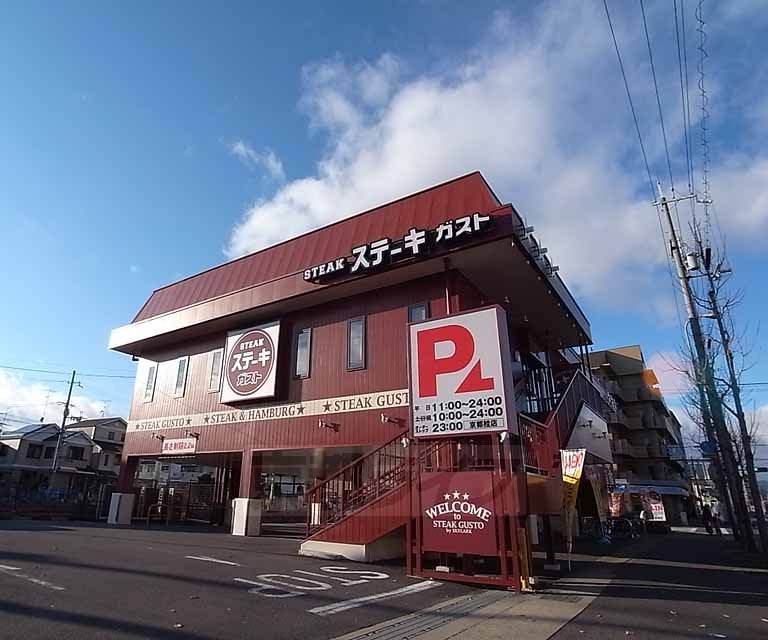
{"x": 144, "y": 142}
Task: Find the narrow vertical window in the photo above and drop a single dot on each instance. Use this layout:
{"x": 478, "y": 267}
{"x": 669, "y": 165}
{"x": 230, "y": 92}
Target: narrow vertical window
{"x": 303, "y": 353}
{"x": 418, "y": 312}
{"x": 214, "y": 375}
{"x": 181, "y": 377}
{"x": 356, "y": 344}
{"x": 149, "y": 387}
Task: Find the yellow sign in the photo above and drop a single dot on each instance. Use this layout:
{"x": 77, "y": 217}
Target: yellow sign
{"x": 572, "y": 465}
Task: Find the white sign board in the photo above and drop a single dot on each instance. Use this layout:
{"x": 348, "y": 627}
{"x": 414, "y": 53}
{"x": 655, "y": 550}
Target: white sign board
{"x": 460, "y": 367}
{"x": 177, "y": 446}
{"x": 250, "y": 366}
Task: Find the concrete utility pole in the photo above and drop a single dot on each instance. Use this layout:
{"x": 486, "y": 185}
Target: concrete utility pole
{"x": 718, "y": 477}
{"x": 60, "y": 437}
{"x": 746, "y": 439}
{"x": 704, "y": 376}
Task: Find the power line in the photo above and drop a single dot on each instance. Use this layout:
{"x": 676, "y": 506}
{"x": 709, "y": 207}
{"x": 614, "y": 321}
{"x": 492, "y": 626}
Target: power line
{"x": 658, "y": 97}
{"x": 84, "y": 375}
{"x": 683, "y": 85}
{"x": 631, "y": 103}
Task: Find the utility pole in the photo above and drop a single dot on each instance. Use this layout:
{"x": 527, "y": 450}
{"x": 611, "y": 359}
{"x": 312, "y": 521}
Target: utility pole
{"x": 63, "y": 426}
{"x": 704, "y": 375}
{"x": 718, "y": 477}
{"x": 746, "y": 439}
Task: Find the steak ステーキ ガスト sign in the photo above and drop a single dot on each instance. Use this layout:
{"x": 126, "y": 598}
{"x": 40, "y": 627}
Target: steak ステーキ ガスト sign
{"x": 460, "y": 370}
{"x": 457, "y": 512}
{"x": 251, "y": 363}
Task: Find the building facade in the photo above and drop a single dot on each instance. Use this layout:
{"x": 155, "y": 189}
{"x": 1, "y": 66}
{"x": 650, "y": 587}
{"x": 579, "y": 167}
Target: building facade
{"x": 645, "y": 435}
{"x": 286, "y": 371}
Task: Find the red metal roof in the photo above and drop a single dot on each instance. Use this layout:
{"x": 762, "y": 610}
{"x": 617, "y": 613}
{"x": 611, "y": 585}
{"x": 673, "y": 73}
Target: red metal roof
{"x": 424, "y": 210}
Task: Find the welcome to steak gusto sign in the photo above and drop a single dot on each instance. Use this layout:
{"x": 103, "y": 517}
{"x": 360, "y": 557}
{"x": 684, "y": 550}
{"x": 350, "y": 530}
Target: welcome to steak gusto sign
{"x": 458, "y": 512}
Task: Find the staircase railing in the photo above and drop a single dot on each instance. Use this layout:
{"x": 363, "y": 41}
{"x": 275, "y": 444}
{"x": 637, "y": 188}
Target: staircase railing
{"x": 580, "y": 389}
{"x": 540, "y": 444}
{"x": 360, "y": 482}
{"x": 542, "y": 440}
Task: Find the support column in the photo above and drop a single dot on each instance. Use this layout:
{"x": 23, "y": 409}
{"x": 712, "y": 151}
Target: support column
{"x": 122, "y": 501}
{"x": 246, "y": 509}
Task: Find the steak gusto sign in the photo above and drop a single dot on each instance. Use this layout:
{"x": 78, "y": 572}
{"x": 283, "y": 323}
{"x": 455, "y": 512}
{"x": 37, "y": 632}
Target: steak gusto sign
{"x": 458, "y": 512}
{"x": 251, "y": 362}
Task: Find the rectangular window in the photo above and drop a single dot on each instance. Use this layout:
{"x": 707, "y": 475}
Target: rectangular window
{"x": 303, "y": 353}
{"x": 106, "y": 459}
{"x": 181, "y": 377}
{"x": 356, "y": 344}
{"x": 34, "y": 451}
{"x": 149, "y": 387}
{"x": 418, "y": 312}
{"x": 214, "y": 375}
{"x": 49, "y": 451}
{"x": 122, "y": 437}
{"x": 76, "y": 453}
{"x": 111, "y": 435}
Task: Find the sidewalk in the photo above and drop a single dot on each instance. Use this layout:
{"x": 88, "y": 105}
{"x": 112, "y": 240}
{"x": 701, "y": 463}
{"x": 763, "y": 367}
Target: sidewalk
{"x": 680, "y": 585}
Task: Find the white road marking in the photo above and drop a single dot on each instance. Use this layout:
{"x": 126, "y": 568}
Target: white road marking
{"x": 345, "y": 605}
{"x": 7, "y": 568}
{"x": 13, "y": 571}
{"x": 216, "y": 560}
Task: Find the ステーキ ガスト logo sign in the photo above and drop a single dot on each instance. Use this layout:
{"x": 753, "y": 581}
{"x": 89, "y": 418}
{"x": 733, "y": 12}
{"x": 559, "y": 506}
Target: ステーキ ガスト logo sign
{"x": 251, "y": 362}
{"x": 458, "y": 512}
{"x": 459, "y": 373}
{"x": 417, "y": 243}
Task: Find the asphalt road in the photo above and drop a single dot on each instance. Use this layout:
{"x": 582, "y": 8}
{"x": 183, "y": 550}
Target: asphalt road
{"x": 67, "y": 580}
{"x": 675, "y": 586}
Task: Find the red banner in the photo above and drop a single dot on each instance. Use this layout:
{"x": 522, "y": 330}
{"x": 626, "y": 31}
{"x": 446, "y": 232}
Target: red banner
{"x": 457, "y": 512}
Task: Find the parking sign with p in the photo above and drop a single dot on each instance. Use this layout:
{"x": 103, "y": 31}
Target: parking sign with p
{"x": 459, "y": 368}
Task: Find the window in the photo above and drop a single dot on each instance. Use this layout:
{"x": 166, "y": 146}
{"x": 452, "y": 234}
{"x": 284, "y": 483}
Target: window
{"x": 181, "y": 376}
{"x": 106, "y": 459}
{"x": 149, "y": 388}
{"x": 122, "y": 437}
{"x": 214, "y": 376}
{"x": 303, "y": 353}
{"x": 49, "y": 451}
{"x": 76, "y": 453}
{"x": 34, "y": 451}
{"x": 356, "y": 344}
{"x": 4, "y": 450}
{"x": 111, "y": 435}
{"x": 418, "y": 312}
{"x": 117, "y": 461}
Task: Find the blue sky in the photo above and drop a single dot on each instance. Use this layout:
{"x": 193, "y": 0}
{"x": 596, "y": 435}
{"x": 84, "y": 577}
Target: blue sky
{"x": 142, "y": 143}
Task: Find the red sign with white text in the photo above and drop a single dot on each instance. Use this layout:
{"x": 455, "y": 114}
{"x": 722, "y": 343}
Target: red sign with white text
{"x": 457, "y": 512}
{"x": 460, "y": 367}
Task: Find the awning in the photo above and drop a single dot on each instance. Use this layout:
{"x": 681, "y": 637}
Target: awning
{"x": 669, "y": 490}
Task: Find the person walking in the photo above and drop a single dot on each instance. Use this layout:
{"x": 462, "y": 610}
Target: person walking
{"x": 716, "y": 519}
{"x": 706, "y": 518}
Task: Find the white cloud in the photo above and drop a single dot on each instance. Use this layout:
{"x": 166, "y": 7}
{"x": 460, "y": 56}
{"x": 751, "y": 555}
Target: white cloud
{"x": 670, "y": 371}
{"x": 539, "y": 108}
{"x": 134, "y": 268}
{"x": 266, "y": 160}
{"x": 28, "y": 402}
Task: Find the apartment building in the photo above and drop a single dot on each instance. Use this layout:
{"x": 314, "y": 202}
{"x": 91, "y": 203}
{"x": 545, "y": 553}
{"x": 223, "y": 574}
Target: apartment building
{"x": 646, "y": 440}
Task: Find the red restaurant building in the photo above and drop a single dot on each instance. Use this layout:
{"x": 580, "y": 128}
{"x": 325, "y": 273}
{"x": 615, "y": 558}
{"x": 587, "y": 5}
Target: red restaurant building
{"x": 284, "y": 376}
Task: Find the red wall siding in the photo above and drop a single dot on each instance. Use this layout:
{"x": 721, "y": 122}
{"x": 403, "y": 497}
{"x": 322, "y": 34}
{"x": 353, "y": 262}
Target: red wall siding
{"x": 386, "y": 369}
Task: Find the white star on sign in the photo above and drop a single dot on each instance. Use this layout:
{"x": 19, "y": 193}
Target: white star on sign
{"x": 447, "y": 496}
{"x": 456, "y": 495}
{"x": 466, "y": 496}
